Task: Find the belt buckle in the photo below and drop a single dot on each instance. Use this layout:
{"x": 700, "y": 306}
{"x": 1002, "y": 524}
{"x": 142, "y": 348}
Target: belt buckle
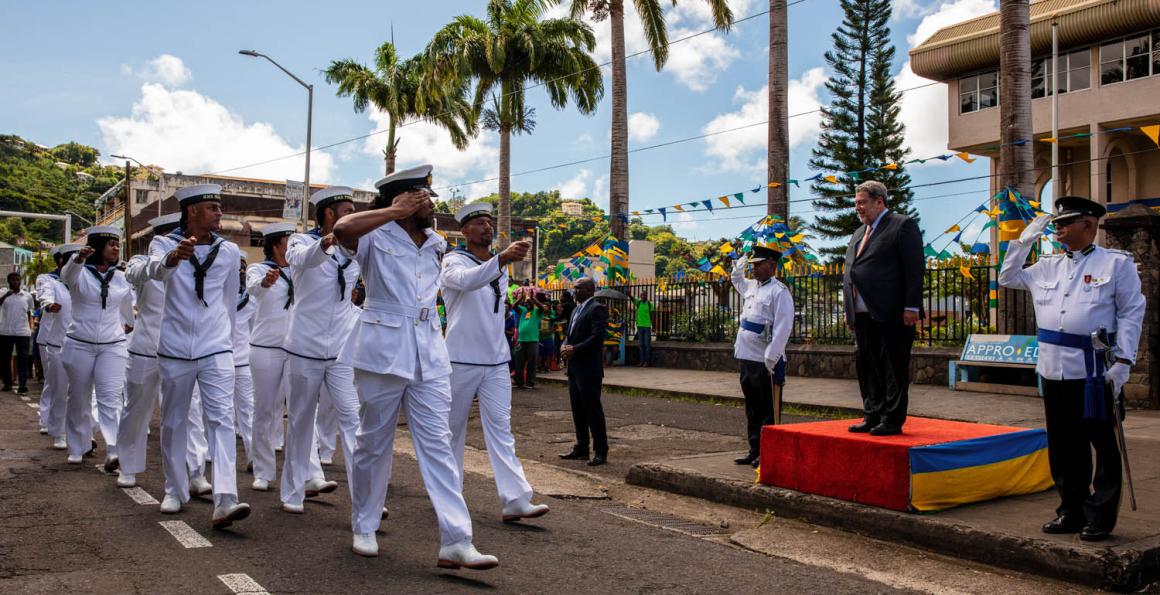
{"x": 423, "y": 314}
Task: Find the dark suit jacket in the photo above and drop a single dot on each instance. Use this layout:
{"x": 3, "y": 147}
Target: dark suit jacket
{"x": 586, "y": 336}
{"x": 888, "y": 274}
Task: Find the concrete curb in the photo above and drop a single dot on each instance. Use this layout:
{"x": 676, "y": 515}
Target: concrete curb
{"x": 1123, "y": 567}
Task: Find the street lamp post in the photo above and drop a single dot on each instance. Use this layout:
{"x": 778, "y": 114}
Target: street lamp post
{"x": 309, "y": 117}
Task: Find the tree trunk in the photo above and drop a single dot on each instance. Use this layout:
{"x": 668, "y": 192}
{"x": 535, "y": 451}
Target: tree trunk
{"x": 1015, "y": 160}
{"x": 389, "y": 152}
{"x": 618, "y": 164}
{"x": 504, "y": 233}
{"x": 777, "y": 160}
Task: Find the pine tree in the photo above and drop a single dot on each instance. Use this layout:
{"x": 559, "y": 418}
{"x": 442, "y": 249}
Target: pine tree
{"x": 861, "y": 127}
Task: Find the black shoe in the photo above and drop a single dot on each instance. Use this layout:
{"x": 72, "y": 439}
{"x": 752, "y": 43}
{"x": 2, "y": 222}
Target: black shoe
{"x": 575, "y": 455}
{"x": 746, "y": 460}
{"x": 22, "y": 390}
{"x": 756, "y": 463}
{"x": 6, "y": 388}
{"x": 597, "y": 461}
{"x": 885, "y": 429}
{"x": 863, "y": 427}
{"x": 1062, "y": 524}
{"x": 1093, "y": 533}
{"x": 250, "y": 468}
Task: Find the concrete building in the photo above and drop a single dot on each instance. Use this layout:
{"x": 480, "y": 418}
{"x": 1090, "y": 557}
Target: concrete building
{"x": 1109, "y": 64}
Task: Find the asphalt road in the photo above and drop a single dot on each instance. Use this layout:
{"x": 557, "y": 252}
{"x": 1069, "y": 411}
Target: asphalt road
{"x": 66, "y": 528}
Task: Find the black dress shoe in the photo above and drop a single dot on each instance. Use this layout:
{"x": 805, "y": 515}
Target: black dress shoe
{"x": 575, "y": 455}
{"x": 746, "y": 460}
{"x": 1093, "y": 533}
{"x": 597, "y": 461}
{"x": 885, "y": 429}
{"x": 1062, "y": 524}
{"x": 756, "y": 463}
{"x": 6, "y": 388}
{"x": 863, "y": 427}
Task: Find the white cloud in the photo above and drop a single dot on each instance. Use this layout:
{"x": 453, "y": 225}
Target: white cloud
{"x": 423, "y": 142}
{"x": 577, "y": 186}
{"x": 166, "y": 69}
{"x": 696, "y": 62}
{"x": 744, "y": 150}
{"x": 909, "y": 9}
{"x": 600, "y": 192}
{"x": 642, "y": 126}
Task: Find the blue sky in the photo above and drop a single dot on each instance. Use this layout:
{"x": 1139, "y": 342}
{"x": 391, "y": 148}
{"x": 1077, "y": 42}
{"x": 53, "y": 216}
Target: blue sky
{"x": 163, "y": 83}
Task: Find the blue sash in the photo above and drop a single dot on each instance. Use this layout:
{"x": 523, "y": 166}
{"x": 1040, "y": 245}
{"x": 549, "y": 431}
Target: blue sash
{"x": 1094, "y": 404}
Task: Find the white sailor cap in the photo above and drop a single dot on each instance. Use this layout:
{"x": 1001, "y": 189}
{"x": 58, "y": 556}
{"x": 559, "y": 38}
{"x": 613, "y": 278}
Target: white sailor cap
{"x": 476, "y": 209}
{"x": 198, "y": 193}
{"x": 54, "y": 251}
{"x": 165, "y": 222}
{"x": 66, "y": 249}
{"x": 408, "y": 179}
{"x": 331, "y": 195}
{"x": 107, "y": 231}
{"x": 273, "y": 230}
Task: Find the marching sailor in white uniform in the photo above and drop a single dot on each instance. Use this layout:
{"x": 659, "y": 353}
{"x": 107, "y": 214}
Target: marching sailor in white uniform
{"x": 55, "y": 307}
{"x": 320, "y": 321}
{"x": 195, "y": 347}
{"x": 400, "y": 361}
{"x": 1086, "y": 289}
{"x": 94, "y": 347}
{"x": 474, "y": 282}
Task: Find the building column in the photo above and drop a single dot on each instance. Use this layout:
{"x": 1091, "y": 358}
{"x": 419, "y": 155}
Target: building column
{"x": 1097, "y": 144}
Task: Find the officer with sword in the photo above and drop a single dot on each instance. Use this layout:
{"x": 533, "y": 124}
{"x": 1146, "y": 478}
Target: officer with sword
{"x": 1089, "y": 310}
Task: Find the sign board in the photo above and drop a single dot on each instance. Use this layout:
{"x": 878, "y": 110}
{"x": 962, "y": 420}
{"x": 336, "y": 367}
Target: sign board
{"x": 1005, "y": 349}
{"x": 295, "y": 195}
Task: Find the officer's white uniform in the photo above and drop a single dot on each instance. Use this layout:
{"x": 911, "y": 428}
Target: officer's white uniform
{"x": 243, "y": 379}
{"x": 768, "y": 305}
{"x": 473, "y": 292}
{"x": 94, "y": 349}
{"x": 195, "y": 347}
{"x": 320, "y": 322}
{"x": 50, "y": 290}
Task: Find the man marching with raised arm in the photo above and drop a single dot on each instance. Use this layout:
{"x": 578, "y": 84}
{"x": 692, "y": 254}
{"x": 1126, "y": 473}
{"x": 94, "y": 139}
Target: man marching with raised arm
{"x": 473, "y": 281}
{"x": 320, "y": 322}
{"x": 195, "y": 347}
{"x": 400, "y": 360}
{"x": 1085, "y": 290}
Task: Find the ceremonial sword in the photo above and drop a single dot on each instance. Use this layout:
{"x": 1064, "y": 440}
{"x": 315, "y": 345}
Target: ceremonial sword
{"x": 1108, "y": 352}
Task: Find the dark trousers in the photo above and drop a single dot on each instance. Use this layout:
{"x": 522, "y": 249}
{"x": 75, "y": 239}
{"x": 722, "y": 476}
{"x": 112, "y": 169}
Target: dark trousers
{"x": 757, "y": 386}
{"x": 1070, "y": 439}
{"x": 588, "y": 413}
{"x": 644, "y": 335}
{"x": 23, "y": 359}
{"x": 883, "y": 364}
{"x": 527, "y": 352}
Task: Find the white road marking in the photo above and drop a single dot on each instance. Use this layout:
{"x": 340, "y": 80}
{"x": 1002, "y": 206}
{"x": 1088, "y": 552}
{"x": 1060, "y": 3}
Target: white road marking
{"x": 242, "y": 584}
{"x": 33, "y": 405}
{"x": 139, "y": 495}
{"x": 184, "y": 534}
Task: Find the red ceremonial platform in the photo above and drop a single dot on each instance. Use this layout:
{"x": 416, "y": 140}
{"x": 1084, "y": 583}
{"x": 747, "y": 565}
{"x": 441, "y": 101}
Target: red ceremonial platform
{"x": 934, "y": 464}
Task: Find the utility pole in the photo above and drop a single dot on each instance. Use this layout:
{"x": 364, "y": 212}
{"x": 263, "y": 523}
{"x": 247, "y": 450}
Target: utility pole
{"x": 127, "y": 244}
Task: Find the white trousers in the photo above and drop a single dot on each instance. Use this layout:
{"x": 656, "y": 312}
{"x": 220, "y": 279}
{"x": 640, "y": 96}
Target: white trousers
{"x": 493, "y": 386}
{"x": 327, "y": 425}
{"x": 89, "y": 366}
{"x": 214, "y": 376}
{"x": 427, "y": 403}
{"x": 244, "y": 407}
{"x": 54, "y": 397}
{"x": 142, "y": 385}
{"x": 268, "y": 367}
{"x": 306, "y": 378}
{"x": 197, "y": 452}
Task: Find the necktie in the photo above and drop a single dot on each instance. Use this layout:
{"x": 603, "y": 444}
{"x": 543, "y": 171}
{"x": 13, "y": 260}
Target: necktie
{"x": 865, "y": 240}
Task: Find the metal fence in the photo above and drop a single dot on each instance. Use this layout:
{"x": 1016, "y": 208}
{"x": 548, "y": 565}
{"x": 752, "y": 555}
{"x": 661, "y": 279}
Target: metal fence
{"x": 706, "y": 308}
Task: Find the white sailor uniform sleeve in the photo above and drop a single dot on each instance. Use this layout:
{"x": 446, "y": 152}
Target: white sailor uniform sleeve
{"x": 462, "y": 275}
{"x": 782, "y": 325}
{"x": 126, "y": 306}
{"x": 255, "y": 273}
{"x": 1130, "y": 303}
{"x": 71, "y": 271}
{"x": 230, "y": 293}
{"x": 44, "y": 292}
{"x": 740, "y": 283}
{"x": 137, "y": 271}
{"x": 159, "y": 250}
{"x": 304, "y": 252}
{"x": 1012, "y": 274}
{"x": 362, "y": 252}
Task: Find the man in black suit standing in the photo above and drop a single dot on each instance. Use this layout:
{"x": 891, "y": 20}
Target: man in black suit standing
{"x": 883, "y": 296}
{"x": 584, "y": 344}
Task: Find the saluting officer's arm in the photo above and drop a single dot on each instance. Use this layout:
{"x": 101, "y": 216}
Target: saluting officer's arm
{"x": 738, "y": 277}
{"x": 350, "y": 228}
{"x": 1130, "y": 304}
{"x": 1012, "y": 274}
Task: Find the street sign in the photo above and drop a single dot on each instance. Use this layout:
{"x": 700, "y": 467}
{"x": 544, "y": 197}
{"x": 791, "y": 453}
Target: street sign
{"x": 1006, "y": 349}
{"x": 295, "y": 195}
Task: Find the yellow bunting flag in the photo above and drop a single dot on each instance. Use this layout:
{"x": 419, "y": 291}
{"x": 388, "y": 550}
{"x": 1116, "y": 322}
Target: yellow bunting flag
{"x": 966, "y": 272}
{"x": 787, "y": 265}
{"x": 725, "y": 199}
{"x": 1011, "y": 226}
{"x": 1152, "y": 132}
{"x": 774, "y": 184}
{"x": 965, "y": 156}
{"x": 636, "y": 213}
{"x": 1034, "y": 203}
{"x": 1011, "y": 196}
{"x": 994, "y": 212}
{"x": 717, "y": 270}
{"x": 953, "y": 228}
{"x": 831, "y": 179}
{"x": 799, "y": 237}
{"x": 890, "y": 166}
{"x": 679, "y": 208}
{"x": 726, "y": 248}
{"x": 778, "y": 234}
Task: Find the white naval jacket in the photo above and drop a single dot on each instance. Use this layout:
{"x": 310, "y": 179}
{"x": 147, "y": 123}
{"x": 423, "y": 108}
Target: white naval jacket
{"x": 1078, "y": 295}
{"x": 243, "y": 325}
{"x": 272, "y": 316}
{"x": 89, "y": 321}
{"x": 192, "y": 328}
{"x": 150, "y": 301}
{"x": 51, "y": 290}
{"x": 770, "y": 304}
{"x": 321, "y": 317}
{"x": 402, "y": 282}
{"x": 475, "y": 309}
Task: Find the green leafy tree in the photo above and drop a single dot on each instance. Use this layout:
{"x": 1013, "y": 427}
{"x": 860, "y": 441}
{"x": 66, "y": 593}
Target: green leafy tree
{"x": 31, "y": 182}
{"x": 76, "y": 154}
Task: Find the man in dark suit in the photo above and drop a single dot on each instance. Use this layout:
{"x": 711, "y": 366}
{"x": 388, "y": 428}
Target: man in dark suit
{"x": 585, "y": 342}
{"x": 883, "y": 296}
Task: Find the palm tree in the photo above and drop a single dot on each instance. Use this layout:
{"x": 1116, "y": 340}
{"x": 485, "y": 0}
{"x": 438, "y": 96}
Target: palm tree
{"x": 393, "y": 87}
{"x": 777, "y": 151}
{"x": 1015, "y": 158}
{"x": 504, "y": 53}
{"x": 656, "y": 33}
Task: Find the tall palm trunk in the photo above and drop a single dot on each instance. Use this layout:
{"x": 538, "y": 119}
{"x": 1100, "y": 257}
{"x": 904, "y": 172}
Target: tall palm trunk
{"x": 1015, "y": 160}
{"x": 390, "y": 153}
{"x": 618, "y": 166}
{"x": 777, "y": 158}
{"x": 505, "y": 186}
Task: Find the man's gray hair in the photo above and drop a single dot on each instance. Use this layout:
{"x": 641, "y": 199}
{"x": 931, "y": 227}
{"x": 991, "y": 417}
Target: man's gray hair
{"x": 876, "y": 189}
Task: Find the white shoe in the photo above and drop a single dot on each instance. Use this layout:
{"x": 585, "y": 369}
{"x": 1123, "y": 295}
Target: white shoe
{"x": 43, "y": 431}
{"x": 198, "y": 486}
{"x": 74, "y": 459}
{"x": 170, "y": 505}
{"x": 365, "y": 544}
{"x": 59, "y": 443}
{"x": 323, "y": 460}
{"x": 315, "y": 487}
{"x": 523, "y": 510}
{"x": 293, "y": 508}
{"x": 464, "y": 555}
{"x": 260, "y": 485}
{"x": 224, "y": 516}
{"x": 126, "y": 480}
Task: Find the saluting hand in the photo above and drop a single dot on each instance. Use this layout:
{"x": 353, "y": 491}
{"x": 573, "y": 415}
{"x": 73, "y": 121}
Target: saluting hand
{"x": 271, "y": 277}
{"x": 408, "y": 202}
{"x": 84, "y": 253}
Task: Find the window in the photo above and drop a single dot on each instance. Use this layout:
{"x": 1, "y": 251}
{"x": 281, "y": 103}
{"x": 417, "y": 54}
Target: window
{"x": 1130, "y": 58}
{"x": 978, "y": 92}
{"x": 1074, "y": 73}
{"x": 142, "y": 197}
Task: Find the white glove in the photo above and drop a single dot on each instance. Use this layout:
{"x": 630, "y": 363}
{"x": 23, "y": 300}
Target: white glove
{"x": 739, "y": 264}
{"x": 1035, "y": 229}
{"x": 1118, "y": 374}
{"x": 771, "y": 364}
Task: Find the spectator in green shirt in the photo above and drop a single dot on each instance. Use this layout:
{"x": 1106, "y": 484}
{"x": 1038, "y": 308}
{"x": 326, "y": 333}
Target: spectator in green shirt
{"x": 530, "y": 309}
{"x": 644, "y": 315}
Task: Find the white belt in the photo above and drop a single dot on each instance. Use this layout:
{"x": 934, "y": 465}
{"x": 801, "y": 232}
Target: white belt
{"x": 398, "y": 309}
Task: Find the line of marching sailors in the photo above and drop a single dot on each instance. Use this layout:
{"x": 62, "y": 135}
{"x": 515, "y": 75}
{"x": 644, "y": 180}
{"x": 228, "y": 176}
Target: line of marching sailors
{"x": 226, "y": 348}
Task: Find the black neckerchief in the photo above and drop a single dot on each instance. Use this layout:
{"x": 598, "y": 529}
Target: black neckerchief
{"x": 317, "y": 234}
{"x": 200, "y": 268}
{"x": 289, "y": 283}
{"x": 103, "y": 280}
{"x": 1091, "y": 248}
{"x": 243, "y": 299}
{"x": 494, "y": 282}
{"x": 764, "y": 283}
